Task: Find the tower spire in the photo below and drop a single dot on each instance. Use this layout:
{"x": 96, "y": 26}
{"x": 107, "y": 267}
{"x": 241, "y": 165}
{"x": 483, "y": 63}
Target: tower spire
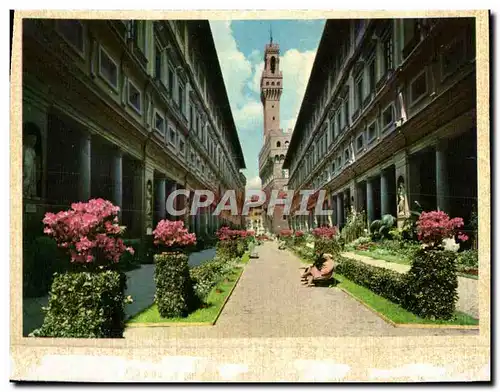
{"x": 271, "y": 33}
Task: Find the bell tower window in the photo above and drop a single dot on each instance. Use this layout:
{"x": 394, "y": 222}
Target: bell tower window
{"x": 273, "y": 64}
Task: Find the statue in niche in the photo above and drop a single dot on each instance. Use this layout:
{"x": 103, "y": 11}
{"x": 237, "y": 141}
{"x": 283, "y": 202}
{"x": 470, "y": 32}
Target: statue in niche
{"x": 149, "y": 202}
{"x": 30, "y": 166}
{"x": 401, "y": 197}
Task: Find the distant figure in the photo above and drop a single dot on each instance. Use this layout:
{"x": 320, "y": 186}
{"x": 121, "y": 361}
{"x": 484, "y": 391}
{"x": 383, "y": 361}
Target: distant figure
{"x": 29, "y": 166}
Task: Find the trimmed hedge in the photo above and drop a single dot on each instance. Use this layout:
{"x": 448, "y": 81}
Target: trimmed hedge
{"x": 173, "y": 294}
{"x": 428, "y": 290}
{"x": 432, "y": 284}
{"x": 387, "y": 283}
{"x": 85, "y": 305}
{"x": 227, "y": 249}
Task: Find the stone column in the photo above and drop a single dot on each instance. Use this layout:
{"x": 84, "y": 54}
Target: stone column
{"x": 384, "y": 193}
{"x": 117, "y": 175}
{"x": 138, "y": 199}
{"x": 85, "y": 167}
{"x": 340, "y": 209}
{"x": 370, "y": 210}
{"x": 441, "y": 177}
{"x": 161, "y": 195}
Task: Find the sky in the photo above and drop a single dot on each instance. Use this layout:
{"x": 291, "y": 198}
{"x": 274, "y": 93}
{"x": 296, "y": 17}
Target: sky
{"x": 240, "y": 47}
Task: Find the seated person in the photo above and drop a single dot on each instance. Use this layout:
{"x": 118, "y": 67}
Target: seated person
{"x": 317, "y": 273}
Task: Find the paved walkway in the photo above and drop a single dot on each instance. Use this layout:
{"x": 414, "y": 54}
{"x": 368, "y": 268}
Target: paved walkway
{"x": 269, "y": 301}
{"x": 467, "y": 288}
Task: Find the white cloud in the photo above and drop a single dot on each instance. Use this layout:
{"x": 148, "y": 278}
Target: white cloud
{"x": 254, "y": 183}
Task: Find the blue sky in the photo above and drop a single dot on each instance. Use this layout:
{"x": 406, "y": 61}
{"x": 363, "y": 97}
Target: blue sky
{"x": 240, "y": 47}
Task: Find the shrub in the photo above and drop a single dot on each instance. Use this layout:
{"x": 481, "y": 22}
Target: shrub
{"x": 380, "y": 228}
{"x": 432, "y": 284}
{"x": 173, "y": 294}
{"x": 325, "y": 232}
{"x": 434, "y": 226}
{"x": 207, "y": 275}
{"x": 88, "y": 231}
{"x": 384, "y": 282}
{"x": 355, "y": 226}
{"x": 468, "y": 258}
{"x": 173, "y": 235}
{"x": 85, "y": 305}
{"x": 327, "y": 245}
{"x": 227, "y": 249}
{"x": 130, "y": 261}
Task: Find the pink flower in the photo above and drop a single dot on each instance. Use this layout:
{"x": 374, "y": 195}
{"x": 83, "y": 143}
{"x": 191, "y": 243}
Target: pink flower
{"x": 434, "y": 226}
{"x": 463, "y": 237}
{"x": 86, "y": 228}
{"x": 172, "y": 233}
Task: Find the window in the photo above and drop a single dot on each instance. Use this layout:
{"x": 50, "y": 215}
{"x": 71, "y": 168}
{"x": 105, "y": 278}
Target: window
{"x": 358, "y": 95}
{"x": 193, "y": 158}
{"x": 359, "y": 143}
{"x": 387, "y": 49}
{"x": 158, "y": 63}
{"x": 333, "y": 167}
{"x": 346, "y": 156}
{"x": 140, "y": 35}
{"x": 108, "y": 69}
{"x": 278, "y": 144}
{"x": 159, "y": 123}
{"x": 452, "y": 57}
{"x": 172, "y": 137}
{"x": 346, "y": 110}
{"x": 372, "y": 131}
{"x": 387, "y": 117}
{"x": 134, "y": 97}
{"x": 338, "y": 124}
{"x": 339, "y": 162}
{"x": 418, "y": 88}
{"x": 171, "y": 78}
{"x": 182, "y": 146}
{"x": 72, "y": 31}
{"x": 181, "y": 97}
{"x": 273, "y": 64}
{"x": 371, "y": 75}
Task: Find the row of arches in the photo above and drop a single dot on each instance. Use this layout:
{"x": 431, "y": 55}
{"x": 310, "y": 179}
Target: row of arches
{"x": 279, "y": 158}
{"x": 272, "y": 83}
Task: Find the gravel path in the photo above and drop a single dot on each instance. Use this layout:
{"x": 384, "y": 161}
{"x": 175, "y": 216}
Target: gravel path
{"x": 467, "y": 288}
{"x": 269, "y": 301}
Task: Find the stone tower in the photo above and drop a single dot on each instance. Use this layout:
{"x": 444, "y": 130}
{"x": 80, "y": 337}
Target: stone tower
{"x": 271, "y": 86}
{"x": 272, "y": 153}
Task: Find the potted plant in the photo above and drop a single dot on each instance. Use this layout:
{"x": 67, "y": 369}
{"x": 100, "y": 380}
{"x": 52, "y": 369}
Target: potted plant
{"x": 87, "y": 300}
{"x": 432, "y": 279}
{"x": 173, "y": 294}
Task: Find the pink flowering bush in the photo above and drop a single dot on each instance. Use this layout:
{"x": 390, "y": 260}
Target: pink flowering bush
{"x": 227, "y": 234}
{"x": 88, "y": 231}
{"x": 299, "y": 233}
{"x": 286, "y": 233}
{"x": 325, "y": 232}
{"x": 173, "y": 234}
{"x": 434, "y": 226}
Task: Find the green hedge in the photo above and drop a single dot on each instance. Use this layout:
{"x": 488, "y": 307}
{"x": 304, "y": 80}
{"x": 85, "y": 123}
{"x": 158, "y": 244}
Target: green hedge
{"x": 428, "y": 290}
{"x": 85, "y": 305}
{"x": 173, "y": 294}
{"x": 387, "y": 283}
{"x": 41, "y": 259}
{"x": 432, "y": 283}
{"x": 227, "y": 249}
{"x": 205, "y": 276}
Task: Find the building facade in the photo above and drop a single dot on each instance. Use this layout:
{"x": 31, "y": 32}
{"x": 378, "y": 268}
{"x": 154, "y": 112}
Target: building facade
{"x": 128, "y": 111}
{"x": 389, "y": 119}
{"x": 273, "y": 151}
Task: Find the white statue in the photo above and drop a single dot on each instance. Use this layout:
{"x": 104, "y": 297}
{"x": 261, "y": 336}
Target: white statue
{"x": 29, "y": 166}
